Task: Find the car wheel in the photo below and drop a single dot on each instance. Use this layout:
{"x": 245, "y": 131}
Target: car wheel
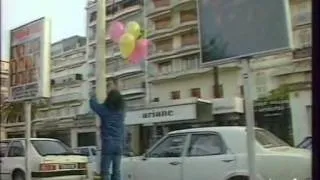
{"x": 239, "y": 178}
{"x": 18, "y": 175}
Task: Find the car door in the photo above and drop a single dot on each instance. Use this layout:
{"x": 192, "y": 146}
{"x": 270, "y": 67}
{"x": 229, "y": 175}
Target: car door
{"x": 4, "y": 174}
{"x": 14, "y": 159}
{"x": 207, "y": 158}
{"x": 163, "y": 161}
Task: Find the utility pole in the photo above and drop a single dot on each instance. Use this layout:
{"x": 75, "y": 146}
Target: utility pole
{"x": 216, "y": 85}
{"x": 100, "y": 61}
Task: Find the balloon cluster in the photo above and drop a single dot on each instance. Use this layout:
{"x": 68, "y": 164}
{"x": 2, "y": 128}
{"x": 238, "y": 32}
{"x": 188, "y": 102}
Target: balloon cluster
{"x": 132, "y": 46}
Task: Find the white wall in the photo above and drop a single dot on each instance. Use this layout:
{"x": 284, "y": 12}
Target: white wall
{"x": 301, "y": 125}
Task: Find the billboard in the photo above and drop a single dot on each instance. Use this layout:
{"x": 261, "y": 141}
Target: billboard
{"x": 231, "y": 29}
{"x": 30, "y": 61}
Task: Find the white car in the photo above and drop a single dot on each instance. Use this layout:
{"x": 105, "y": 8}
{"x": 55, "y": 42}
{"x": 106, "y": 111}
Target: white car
{"x": 50, "y": 160}
{"x": 218, "y": 153}
{"x": 91, "y": 153}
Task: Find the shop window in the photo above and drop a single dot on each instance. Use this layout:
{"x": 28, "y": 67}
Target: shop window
{"x": 87, "y": 139}
{"x": 172, "y": 146}
{"x": 205, "y": 145}
{"x": 175, "y": 95}
{"x": 221, "y": 95}
{"x": 196, "y": 92}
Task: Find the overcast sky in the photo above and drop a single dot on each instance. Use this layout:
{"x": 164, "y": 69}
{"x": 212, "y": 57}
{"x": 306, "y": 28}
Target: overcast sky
{"x": 67, "y": 18}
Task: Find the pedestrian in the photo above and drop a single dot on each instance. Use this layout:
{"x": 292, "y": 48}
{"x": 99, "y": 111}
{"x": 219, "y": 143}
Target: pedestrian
{"x": 111, "y": 114}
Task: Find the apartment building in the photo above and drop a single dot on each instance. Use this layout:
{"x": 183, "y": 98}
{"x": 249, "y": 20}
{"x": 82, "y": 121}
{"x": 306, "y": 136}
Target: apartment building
{"x": 56, "y": 116}
{"x": 4, "y": 75}
{"x": 4, "y": 80}
{"x": 131, "y": 79}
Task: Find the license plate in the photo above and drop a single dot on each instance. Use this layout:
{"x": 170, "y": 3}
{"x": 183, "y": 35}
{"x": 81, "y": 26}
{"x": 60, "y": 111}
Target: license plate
{"x": 67, "y": 166}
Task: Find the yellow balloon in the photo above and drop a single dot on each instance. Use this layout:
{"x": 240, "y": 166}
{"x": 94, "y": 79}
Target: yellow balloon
{"x": 133, "y": 28}
{"x": 127, "y": 44}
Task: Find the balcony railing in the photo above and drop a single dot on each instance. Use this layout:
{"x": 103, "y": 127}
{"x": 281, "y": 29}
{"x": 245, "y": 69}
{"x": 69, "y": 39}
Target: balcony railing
{"x": 184, "y": 48}
{"x": 130, "y": 89}
{"x": 66, "y": 98}
{"x": 63, "y": 62}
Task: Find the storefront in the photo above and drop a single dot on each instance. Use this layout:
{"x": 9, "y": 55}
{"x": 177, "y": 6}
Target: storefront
{"x": 275, "y": 116}
{"x": 148, "y": 124}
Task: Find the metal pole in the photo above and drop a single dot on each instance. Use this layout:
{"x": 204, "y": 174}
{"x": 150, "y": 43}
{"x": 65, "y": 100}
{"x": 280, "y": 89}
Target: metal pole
{"x": 246, "y": 73}
{"x": 100, "y": 61}
{"x": 27, "y": 115}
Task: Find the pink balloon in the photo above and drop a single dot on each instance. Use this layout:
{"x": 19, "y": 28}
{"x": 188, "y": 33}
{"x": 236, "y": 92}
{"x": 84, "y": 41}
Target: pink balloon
{"x": 116, "y": 30}
{"x": 140, "y": 52}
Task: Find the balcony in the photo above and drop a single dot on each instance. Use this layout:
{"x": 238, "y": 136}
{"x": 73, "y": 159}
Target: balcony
{"x": 303, "y": 18}
{"x": 131, "y": 90}
{"x": 164, "y": 7}
{"x": 67, "y": 62}
{"x": 160, "y": 54}
{"x": 173, "y": 31}
{"x": 67, "y": 80}
{"x": 71, "y": 97}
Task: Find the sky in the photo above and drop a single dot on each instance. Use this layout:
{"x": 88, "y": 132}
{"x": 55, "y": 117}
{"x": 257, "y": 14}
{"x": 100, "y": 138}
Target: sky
{"x": 68, "y": 18}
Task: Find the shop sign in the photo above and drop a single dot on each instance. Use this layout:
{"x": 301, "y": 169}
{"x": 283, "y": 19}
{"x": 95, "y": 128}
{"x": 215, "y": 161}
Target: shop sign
{"x": 271, "y": 108}
{"x": 161, "y": 114}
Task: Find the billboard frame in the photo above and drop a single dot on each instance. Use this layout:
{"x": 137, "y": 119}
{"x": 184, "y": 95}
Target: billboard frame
{"x": 237, "y": 59}
{"x": 43, "y": 64}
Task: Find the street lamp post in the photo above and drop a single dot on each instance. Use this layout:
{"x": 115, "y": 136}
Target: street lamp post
{"x": 100, "y": 61}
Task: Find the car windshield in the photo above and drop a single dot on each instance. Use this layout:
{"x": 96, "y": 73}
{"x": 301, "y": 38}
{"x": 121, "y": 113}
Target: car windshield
{"x": 267, "y": 139}
{"x": 51, "y": 147}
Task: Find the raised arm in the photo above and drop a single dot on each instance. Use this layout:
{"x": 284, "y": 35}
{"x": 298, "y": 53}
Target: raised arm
{"x": 95, "y": 106}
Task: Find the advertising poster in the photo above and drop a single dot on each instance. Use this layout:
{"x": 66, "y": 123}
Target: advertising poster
{"x": 231, "y": 29}
{"x": 30, "y": 61}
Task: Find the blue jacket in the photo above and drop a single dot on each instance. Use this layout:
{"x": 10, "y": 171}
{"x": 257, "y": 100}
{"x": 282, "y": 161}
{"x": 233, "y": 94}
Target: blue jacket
{"x": 111, "y": 127}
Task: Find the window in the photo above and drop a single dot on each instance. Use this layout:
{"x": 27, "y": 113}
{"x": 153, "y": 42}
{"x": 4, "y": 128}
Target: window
{"x": 205, "y": 145}
{"x": 93, "y": 17}
{"x": 267, "y": 139}
{"x": 162, "y": 23}
{"x": 220, "y": 91}
{"x": 241, "y": 91}
{"x": 175, "y": 95}
{"x": 172, "y": 146}
{"x": 196, "y": 92}
{"x": 188, "y": 15}
{"x": 189, "y": 62}
{"x": 3, "y": 148}
{"x": 47, "y": 147}
{"x": 165, "y": 67}
{"x": 16, "y": 149}
{"x": 164, "y": 45}
{"x": 305, "y": 38}
{"x": 190, "y": 38}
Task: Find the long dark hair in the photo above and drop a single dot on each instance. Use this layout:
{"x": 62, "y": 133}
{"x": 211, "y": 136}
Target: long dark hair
{"x": 114, "y": 101}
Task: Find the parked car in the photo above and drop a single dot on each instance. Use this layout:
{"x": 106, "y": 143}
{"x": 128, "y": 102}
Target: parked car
{"x": 218, "y": 153}
{"x": 50, "y": 160}
{"x": 306, "y": 143}
{"x": 91, "y": 153}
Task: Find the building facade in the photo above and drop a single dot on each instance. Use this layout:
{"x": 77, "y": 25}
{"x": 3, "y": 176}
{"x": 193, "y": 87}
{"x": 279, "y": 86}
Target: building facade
{"x": 4, "y": 80}
{"x": 4, "y": 75}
